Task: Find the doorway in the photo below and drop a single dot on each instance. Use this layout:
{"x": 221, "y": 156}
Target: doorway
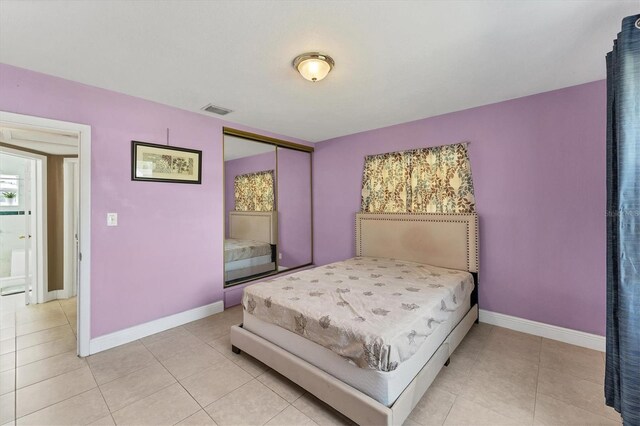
{"x": 56, "y": 205}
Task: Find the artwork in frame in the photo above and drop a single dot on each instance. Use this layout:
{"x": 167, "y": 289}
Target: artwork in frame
{"x": 161, "y": 163}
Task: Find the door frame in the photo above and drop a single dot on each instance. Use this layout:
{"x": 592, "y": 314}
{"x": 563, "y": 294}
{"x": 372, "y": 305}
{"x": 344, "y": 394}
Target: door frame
{"x": 84, "y": 253}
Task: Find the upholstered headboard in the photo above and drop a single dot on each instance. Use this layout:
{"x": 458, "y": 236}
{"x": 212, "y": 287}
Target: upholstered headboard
{"x": 257, "y": 226}
{"x": 446, "y": 240}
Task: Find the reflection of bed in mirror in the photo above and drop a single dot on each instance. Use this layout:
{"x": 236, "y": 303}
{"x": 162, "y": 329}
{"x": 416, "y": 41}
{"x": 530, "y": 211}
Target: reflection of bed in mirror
{"x": 251, "y": 247}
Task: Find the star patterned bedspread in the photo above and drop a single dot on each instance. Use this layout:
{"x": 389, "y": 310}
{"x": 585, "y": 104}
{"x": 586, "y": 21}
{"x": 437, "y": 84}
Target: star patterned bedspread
{"x": 375, "y": 312}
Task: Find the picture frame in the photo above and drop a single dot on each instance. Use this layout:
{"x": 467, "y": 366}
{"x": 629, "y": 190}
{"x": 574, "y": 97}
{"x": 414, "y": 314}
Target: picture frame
{"x": 162, "y": 163}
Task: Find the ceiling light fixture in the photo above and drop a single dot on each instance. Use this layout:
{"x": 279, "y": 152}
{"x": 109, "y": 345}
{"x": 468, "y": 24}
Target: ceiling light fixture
{"x": 313, "y": 66}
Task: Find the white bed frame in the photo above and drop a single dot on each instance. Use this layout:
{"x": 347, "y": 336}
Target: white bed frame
{"x": 446, "y": 240}
{"x": 256, "y": 226}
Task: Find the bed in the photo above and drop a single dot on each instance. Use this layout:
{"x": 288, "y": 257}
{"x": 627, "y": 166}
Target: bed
{"x": 251, "y": 246}
{"x": 369, "y": 335}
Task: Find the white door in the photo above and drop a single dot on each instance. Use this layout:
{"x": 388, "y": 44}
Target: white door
{"x": 28, "y": 258}
{"x": 26, "y": 264}
{"x": 71, "y": 213}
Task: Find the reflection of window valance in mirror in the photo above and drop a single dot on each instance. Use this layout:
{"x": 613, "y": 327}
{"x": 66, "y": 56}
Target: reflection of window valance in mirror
{"x": 429, "y": 180}
{"x": 254, "y": 192}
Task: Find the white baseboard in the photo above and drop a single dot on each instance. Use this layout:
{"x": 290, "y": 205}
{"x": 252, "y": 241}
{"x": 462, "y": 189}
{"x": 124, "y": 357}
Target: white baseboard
{"x": 54, "y": 295}
{"x": 566, "y": 335}
{"x": 136, "y": 332}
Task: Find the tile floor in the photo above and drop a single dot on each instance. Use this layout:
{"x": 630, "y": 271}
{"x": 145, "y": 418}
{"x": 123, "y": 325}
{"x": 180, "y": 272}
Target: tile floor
{"x": 188, "y": 375}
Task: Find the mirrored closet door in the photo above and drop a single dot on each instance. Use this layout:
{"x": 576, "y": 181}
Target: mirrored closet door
{"x": 294, "y": 208}
{"x": 267, "y": 206}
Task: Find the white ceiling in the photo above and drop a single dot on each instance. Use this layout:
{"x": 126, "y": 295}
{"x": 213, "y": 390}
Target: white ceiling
{"x": 395, "y": 61}
{"x": 235, "y": 148}
{"x": 48, "y": 142}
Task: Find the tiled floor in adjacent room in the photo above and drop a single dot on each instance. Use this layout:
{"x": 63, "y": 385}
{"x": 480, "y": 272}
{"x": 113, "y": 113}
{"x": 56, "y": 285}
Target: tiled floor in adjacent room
{"x": 188, "y": 375}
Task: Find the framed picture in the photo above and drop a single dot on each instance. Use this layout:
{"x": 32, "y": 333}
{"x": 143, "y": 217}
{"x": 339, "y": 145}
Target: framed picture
{"x": 162, "y": 163}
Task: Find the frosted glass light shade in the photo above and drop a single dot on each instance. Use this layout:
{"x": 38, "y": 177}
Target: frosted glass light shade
{"x": 313, "y": 66}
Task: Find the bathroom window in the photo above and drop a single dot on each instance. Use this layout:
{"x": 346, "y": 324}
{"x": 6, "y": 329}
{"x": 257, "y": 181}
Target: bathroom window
{"x": 9, "y": 190}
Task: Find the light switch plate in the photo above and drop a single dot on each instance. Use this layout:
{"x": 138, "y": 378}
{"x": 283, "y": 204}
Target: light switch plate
{"x": 112, "y": 219}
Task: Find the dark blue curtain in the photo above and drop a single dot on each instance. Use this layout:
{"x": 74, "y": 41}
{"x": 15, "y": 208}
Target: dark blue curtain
{"x": 622, "y": 379}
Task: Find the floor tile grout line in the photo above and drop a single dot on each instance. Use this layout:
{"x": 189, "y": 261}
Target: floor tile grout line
{"x": 17, "y": 322}
{"x": 42, "y": 359}
{"x": 51, "y": 405}
{"x": 279, "y": 412}
{"x": 100, "y": 390}
{"x": 65, "y": 313}
{"x": 235, "y": 363}
{"x": 242, "y": 368}
{"x": 44, "y": 329}
{"x": 38, "y": 320}
{"x": 15, "y": 377}
{"x": 192, "y": 414}
{"x": 154, "y": 356}
{"x": 45, "y": 315}
{"x": 468, "y": 373}
{"x": 575, "y": 376}
{"x": 15, "y": 414}
{"x": 138, "y": 400}
{"x": 566, "y": 401}
{"x": 482, "y": 404}
{"x": 56, "y": 403}
{"x": 535, "y": 397}
{"x": 571, "y": 404}
{"x": 125, "y": 374}
{"x": 186, "y": 390}
{"x": 455, "y": 398}
{"x": 42, "y": 343}
{"x": 177, "y": 381}
{"x": 51, "y": 377}
{"x": 222, "y": 396}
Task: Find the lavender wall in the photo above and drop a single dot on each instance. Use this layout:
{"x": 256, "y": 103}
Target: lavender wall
{"x": 240, "y": 166}
{"x": 294, "y": 207}
{"x": 539, "y": 172}
{"x": 165, "y": 256}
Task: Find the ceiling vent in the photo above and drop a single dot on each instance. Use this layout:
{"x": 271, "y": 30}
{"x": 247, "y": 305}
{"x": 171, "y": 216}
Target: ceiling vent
{"x": 216, "y": 109}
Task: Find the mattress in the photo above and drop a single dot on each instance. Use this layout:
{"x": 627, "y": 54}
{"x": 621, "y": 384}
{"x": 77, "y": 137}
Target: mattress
{"x": 375, "y": 312}
{"x": 247, "y": 263}
{"x": 235, "y": 249}
{"x": 384, "y": 387}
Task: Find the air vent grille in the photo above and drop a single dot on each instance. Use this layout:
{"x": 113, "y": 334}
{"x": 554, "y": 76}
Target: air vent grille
{"x": 216, "y": 109}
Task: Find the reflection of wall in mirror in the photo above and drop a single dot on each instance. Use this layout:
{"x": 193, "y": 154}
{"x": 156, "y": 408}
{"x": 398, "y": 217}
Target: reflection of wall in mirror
{"x": 240, "y": 166}
{"x": 294, "y": 207}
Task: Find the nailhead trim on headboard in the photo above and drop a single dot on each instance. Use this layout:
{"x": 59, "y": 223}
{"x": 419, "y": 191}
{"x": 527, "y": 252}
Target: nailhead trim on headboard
{"x": 399, "y": 219}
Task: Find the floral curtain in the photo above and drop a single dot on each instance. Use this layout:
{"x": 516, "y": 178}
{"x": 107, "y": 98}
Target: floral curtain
{"x": 429, "y": 180}
{"x": 254, "y": 192}
{"x": 441, "y": 180}
{"x": 385, "y": 183}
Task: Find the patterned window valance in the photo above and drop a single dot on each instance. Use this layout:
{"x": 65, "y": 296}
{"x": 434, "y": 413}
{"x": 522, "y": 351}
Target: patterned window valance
{"x": 254, "y": 192}
{"x": 385, "y": 183}
{"x": 429, "y": 180}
